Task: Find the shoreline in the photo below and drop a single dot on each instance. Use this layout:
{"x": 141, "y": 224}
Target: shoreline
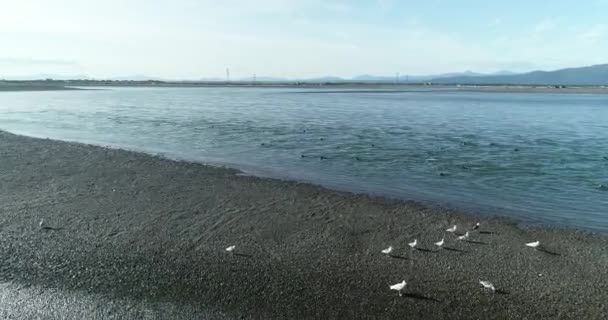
{"x": 473, "y": 211}
{"x": 386, "y": 88}
{"x": 36, "y": 87}
{"x": 304, "y": 251}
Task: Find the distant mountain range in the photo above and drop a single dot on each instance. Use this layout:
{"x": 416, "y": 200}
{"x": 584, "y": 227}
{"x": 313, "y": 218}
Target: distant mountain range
{"x": 591, "y": 75}
{"x": 410, "y": 78}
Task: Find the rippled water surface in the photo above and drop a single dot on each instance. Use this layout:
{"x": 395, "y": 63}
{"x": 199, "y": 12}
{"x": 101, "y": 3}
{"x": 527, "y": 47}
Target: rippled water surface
{"x": 542, "y": 158}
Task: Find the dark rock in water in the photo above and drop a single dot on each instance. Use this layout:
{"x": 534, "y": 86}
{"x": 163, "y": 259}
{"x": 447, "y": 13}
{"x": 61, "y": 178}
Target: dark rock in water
{"x": 302, "y": 156}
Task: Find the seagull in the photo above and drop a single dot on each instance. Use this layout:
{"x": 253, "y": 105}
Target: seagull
{"x": 488, "y": 285}
{"x": 413, "y": 244}
{"x": 231, "y": 248}
{"x": 452, "y": 229}
{"x": 388, "y": 250}
{"x": 476, "y": 226}
{"x": 43, "y": 226}
{"x": 464, "y": 236}
{"x": 440, "y": 243}
{"x": 398, "y": 287}
{"x": 535, "y": 244}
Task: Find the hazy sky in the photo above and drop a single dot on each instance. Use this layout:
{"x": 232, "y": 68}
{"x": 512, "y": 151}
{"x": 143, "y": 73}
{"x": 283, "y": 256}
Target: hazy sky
{"x": 297, "y": 38}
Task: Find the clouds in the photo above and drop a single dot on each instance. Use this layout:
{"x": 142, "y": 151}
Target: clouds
{"x": 292, "y": 38}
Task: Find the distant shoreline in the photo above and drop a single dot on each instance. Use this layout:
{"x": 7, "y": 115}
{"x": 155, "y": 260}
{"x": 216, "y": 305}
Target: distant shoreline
{"x": 33, "y": 87}
{"x": 380, "y": 87}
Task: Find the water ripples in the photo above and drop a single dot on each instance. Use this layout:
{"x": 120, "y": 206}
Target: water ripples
{"x": 536, "y": 157}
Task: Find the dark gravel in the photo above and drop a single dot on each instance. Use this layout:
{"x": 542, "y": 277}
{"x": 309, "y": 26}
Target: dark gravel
{"x": 136, "y": 236}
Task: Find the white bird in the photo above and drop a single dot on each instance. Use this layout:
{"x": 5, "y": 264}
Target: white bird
{"x": 43, "y": 226}
{"x": 399, "y": 286}
{"x": 388, "y": 250}
{"x": 464, "y": 236}
{"x": 231, "y": 248}
{"x": 440, "y": 243}
{"x": 413, "y": 244}
{"x": 535, "y": 244}
{"x": 452, "y": 229}
{"x": 488, "y": 285}
{"x": 476, "y": 226}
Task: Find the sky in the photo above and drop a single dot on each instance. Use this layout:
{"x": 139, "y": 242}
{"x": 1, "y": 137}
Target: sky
{"x": 194, "y": 39}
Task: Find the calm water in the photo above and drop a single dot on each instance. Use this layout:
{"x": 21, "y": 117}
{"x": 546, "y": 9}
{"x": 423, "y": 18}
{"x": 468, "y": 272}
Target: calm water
{"x": 536, "y": 157}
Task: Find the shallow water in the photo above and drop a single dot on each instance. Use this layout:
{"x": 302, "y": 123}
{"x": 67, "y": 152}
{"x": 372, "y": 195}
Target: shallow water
{"x": 537, "y": 157}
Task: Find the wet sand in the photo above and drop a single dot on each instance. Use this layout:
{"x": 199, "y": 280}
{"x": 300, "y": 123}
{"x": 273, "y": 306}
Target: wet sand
{"x": 130, "y": 235}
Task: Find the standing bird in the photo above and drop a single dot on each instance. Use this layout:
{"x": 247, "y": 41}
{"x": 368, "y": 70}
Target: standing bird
{"x": 231, "y": 248}
{"x": 535, "y": 244}
{"x": 452, "y": 229}
{"x": 413, "y": 244}
{"x": 476, "y": 226}
{"x": 388, "y": 250}
{"x": 43, "y": 226}
{"x": 399, "y": 287}
{"x": 488, "y": 285}
{"x": 440, "y": 243}
{"x": 464, "y": 236}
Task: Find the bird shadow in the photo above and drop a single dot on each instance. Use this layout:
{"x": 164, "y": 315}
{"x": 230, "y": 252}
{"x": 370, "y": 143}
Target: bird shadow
{"x": 52, "y": 228}
{"x": 553, "y": 253}
{"x": 420, "y": 297}
{"x": 425, "y": 250}
{"x": 487, "y": 232}
{"x": 243, "y": 255}
{"x": 399, "y": 257}
{"x": 498, "y": 291}
{"x": 476, "y": 242}
{"x": 454, "y": 249}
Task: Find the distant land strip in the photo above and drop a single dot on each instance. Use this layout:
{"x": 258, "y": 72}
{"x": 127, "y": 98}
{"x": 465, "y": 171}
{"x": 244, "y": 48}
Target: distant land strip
{"x": 321, "y": 87}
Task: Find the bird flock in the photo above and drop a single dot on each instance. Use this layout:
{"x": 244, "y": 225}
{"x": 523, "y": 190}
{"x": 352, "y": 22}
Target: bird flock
{"x": 486, "y": 285}
{"x": 400, "y": 287}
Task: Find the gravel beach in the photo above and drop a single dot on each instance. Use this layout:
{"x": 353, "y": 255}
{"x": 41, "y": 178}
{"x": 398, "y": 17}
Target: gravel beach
{"x": 128, "y": 236}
